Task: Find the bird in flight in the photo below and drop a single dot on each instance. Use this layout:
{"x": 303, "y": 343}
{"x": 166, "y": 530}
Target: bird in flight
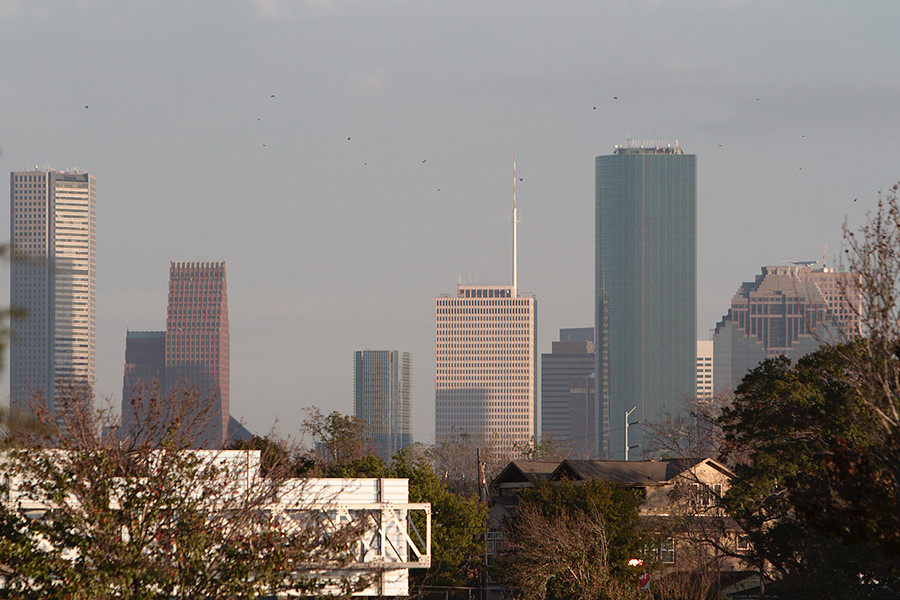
{"x": 85, "y": 105}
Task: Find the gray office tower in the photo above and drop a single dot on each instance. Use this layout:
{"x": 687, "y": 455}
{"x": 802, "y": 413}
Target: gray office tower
{"x": 645, "y": 291}
{"x": 382, "y": 397}
{"x": 145, "y": 372}
{"x": 571, "y": 361}
{"x": 52, "y": 283}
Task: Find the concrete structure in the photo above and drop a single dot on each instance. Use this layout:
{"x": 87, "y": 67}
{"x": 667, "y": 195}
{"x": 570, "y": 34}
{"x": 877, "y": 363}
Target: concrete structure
{"x": 645, "y": 289}
{"x": 570, "y": 359}
{"x": 52, "y": 282}
{"x": 197, "y": 339}
{"x": 383, "y": 398}
{"x": 705, "y": 385}
{"x": 486, "y": 366}
{"x": 784, "y": 311}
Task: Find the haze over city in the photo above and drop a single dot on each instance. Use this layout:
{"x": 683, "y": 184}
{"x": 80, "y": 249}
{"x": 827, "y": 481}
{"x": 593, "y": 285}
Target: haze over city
{"x": 350, "y": 160}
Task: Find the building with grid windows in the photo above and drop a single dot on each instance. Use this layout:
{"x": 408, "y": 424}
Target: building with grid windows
{"x": 197, "y": 339}
{"x": 486, "y": 366}
{"x": 705, "y": 388}
{"x": 52, "y": 282}
{"x": 645, "y": 290}
{"x": 788, "y": 310}
{"x": 383, "y": 396}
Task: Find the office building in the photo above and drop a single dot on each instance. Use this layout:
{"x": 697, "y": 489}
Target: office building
{"x": 645, "y": 290}
{"x": 383, "y": 397}
{"x": 485, "y": 368}
{"x": 52, "y": 283}
{"x": 145, "y": 371}
{"x": 787, "y": 310}
{"x": 570, "y": 358}
{"x": 705, "y": 386}
{"x": 197, "y": 339}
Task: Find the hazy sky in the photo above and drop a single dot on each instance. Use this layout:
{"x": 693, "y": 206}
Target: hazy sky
{"x": 335, "y": 244}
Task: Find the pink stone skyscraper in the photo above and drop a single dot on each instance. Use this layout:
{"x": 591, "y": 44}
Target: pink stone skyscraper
{"x": 197, "y": 338}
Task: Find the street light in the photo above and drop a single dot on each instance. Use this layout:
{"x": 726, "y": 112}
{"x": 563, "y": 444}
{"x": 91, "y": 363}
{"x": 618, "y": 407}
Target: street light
{"x": 627, "y": 447}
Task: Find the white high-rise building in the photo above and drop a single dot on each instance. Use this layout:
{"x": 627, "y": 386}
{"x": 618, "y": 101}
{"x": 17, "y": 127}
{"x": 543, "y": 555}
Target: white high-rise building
{"x": 52, "y": 281}
{"x": 485, "y": 367}
{"x": 705, "y": 387}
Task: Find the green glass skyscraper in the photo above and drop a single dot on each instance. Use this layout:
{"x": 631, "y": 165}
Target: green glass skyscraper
{"x": 645, "y": 292}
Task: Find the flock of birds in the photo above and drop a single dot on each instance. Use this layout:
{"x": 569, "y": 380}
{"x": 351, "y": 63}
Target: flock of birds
{"x": 272, "y": 97}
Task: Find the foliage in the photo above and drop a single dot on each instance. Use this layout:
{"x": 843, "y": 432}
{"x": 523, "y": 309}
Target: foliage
{"x": 458, "y": 523}
{"x": 792, "y": 427}
{"x": 572, "y": 540}
{"x": 338, "y": 439}
{"x": 546, "y": 450}
{"x": 96, "y": 516}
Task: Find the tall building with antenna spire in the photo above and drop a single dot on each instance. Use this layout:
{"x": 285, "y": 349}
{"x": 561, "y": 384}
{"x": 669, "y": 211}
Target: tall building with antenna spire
{"x": 486, "y": 361}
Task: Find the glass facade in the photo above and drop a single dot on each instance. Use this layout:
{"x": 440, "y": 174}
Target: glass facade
{"x": 383, "y": 397}
{"x": 645, "y": 290}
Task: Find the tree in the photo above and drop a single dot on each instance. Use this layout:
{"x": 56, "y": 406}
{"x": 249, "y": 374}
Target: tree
{"x": 341, "y": 446}
{"x": 789, "y": 427}
{"x": 93, "y": 515}
{"x": 458, "y": 523}
{"x": 572, "y": 540}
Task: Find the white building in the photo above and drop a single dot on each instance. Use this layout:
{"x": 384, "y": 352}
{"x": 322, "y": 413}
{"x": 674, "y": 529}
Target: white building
{"x": 486, "y": 365}
{"x": 52, "y": 280}
{"x": 705, "y": 387}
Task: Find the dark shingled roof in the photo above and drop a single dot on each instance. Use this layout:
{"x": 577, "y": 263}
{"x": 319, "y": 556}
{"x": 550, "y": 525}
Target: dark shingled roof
{"x": 632, "y": 472}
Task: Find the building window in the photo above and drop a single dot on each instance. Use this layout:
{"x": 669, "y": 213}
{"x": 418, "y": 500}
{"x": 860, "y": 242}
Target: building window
{"x": 667, "y": 551}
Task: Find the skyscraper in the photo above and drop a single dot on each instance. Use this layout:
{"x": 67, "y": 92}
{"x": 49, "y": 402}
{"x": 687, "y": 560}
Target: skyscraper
{"x": 645, "y": 289}
{"x": 705, "y": 388}
{"x": 197, "y": 338}
{"x": 486, "y": 361}
{"x": 570, "y": 359}
{"x": 787, "y": 310}
{"x": 52, "y": 281}
{"x": 145, "y": 370}
{"x": 485, "y": 368}
{"x": 382, "y": 397}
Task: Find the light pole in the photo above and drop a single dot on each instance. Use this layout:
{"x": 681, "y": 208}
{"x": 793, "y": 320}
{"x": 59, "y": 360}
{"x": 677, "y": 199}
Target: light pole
{"x": 627, "y": 447}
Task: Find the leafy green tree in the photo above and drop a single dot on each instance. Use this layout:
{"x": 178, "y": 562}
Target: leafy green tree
{"x": 458, "y": 523}
{"x": 341, "y": 446}
{"x": 572, "y": 540}
{"x": 788, "y": 433}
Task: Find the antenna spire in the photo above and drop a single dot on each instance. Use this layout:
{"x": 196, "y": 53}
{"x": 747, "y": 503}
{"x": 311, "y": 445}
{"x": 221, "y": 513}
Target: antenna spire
{"x": 515, "y": 221}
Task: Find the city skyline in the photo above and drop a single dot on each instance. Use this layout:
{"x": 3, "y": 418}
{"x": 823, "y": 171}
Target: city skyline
{"x": 172, "y": 109}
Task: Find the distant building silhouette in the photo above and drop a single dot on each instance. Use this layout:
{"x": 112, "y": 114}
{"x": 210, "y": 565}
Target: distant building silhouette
{"x": 646, "y": 289}
{"x": 145, "y": 370}
{"x": 52, "y": 283}
{"x": 383, "y": 398}
{"x": 197, "y": 338}
{"x": 571, "y": 359}
{"x": 787, "y": 310}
